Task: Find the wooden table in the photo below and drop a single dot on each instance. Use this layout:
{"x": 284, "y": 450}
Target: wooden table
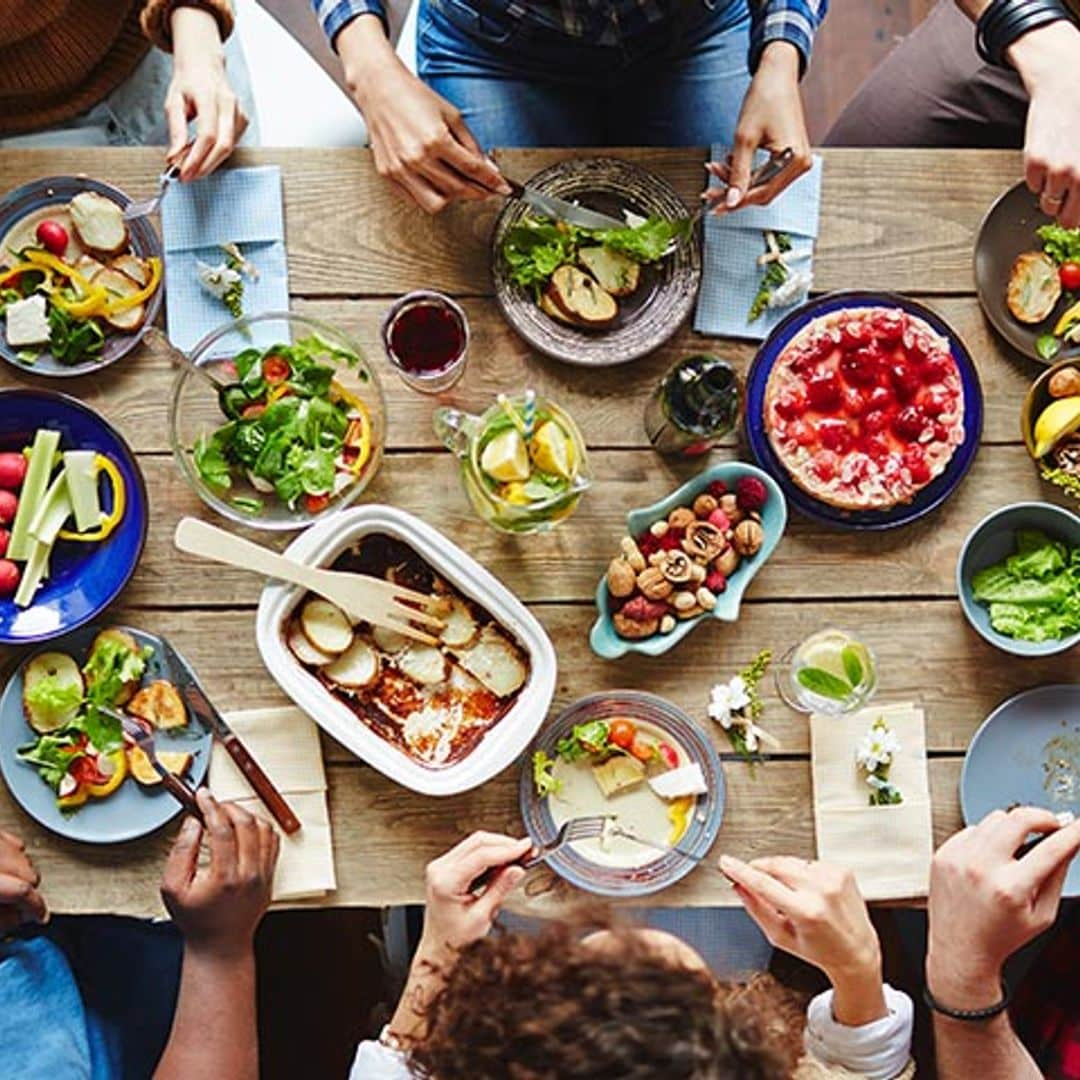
{"x": 902, "y": 220}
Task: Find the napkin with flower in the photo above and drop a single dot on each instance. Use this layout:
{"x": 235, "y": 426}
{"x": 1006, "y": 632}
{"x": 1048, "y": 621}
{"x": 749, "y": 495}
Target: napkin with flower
{"x": 872, "y": 798}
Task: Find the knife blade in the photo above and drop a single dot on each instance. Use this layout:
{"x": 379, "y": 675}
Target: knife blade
{"x": 193, "y": 694}
{"x": 562, "y": 210}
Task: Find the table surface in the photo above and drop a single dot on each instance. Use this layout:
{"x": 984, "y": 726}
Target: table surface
{"x": 899, "y": 220}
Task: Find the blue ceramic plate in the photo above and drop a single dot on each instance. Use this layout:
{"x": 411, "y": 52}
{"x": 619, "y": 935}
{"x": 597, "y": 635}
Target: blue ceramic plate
{"x": 132, "y": 810}
{"x": 1027, "y": 751}
{"x": 603, "y": 639}
{"x": 704, "y": 824}
{"x": 58, "y": 191}
{"x": 83, "y": 578}
{"x": 931, "y": 496}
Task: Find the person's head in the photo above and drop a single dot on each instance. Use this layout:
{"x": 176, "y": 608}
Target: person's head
{"x": 620, "y": 1003}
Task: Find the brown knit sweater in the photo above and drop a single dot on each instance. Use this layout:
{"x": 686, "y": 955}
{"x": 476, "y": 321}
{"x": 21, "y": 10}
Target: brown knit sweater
{"x": 58, "y": 58}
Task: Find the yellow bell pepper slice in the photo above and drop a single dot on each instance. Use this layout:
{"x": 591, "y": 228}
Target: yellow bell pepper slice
{"x": 124, "y": 303}
{"x": 358, "y": 436}
{"x": 85, "y": 307}
{"x": 41, "y": 259}
{"x": 73, "y": 801}
{"x": 1070, "y": 316}
{"x": 119, "y": 775}
{"x": 17, "y": 269}
{"x": 678, "y": 813}
{"x": 109, "y": 521}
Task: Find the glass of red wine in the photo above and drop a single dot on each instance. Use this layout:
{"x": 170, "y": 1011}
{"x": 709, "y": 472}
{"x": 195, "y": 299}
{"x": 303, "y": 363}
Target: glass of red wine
{"x": 426, "y": 337}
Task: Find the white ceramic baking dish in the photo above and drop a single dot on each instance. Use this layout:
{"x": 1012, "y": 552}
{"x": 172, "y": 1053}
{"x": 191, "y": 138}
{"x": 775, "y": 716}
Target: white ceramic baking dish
{"x": 320, "y": 545}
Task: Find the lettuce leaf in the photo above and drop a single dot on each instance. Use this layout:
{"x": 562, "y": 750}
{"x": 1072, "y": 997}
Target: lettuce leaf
{"x": 52, "y": 699}
{"x": 543, "y": 775}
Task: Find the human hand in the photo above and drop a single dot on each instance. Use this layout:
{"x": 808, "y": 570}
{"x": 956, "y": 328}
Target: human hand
{"x": 985, "y": 903}
{"x": 218, "y": 906}
{"x": 455, "y": 917}
{"x": 20, "y": 900}
{"x": 200, "y": 91}
{"x": 771, "y": 118}
{"x": 419, "y": 140}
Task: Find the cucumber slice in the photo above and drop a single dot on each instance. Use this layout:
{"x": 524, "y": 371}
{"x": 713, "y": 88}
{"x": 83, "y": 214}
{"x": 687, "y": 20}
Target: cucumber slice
{"x": 22, "y": 543}
{"x": 82, "y": 486}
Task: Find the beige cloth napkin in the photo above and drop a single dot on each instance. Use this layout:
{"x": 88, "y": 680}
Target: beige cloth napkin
{"x": 286, "y": 744}
{"x": 887, "y": 847}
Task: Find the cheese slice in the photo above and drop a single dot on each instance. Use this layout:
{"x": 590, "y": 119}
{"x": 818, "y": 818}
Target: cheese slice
{"x": 679, "y": 783}
{"x": 618, "y": 773}
{"x": 27, "y": 323}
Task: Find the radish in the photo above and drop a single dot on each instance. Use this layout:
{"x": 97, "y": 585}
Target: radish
{"x": 9, "y": 503}
{"x": 9, "y": 577}
{"x": 13, "y": 468}
{"x": 5, "y": 539}
{"x": 52, "y": 236}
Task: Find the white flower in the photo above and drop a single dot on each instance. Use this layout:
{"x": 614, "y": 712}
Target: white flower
{"x": 792, "y": 291}
{"x": 750, "y": 735}
{"x": 728, "y": 698}
{"x": 877, "y": 747}
{"x": 216, "y": 280}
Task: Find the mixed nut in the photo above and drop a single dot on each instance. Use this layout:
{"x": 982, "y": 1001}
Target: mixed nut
{"x": 677, "y": 568}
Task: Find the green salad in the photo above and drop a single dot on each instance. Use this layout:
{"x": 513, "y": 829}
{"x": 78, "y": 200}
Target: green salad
{"x": 291, "y": 431}
{"x": 1033, "y": 595}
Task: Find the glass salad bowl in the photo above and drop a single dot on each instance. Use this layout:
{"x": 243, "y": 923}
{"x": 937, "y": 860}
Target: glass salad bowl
{"x": 277, "y": 420}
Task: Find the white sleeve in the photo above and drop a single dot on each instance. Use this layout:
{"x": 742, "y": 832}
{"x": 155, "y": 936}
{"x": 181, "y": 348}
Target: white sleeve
{"x": 879, "y": 1050}
{"x": 374, "y": 1061}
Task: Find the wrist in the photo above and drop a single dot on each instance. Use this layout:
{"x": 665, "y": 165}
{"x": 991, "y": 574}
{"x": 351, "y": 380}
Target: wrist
{"x": 1044, "y": 52}
{"x": 220, "y": 951}
{"x": 858, "y": 993}
{"x": 781, "y": 58}
{"x": 194, "y": 32}
{"x": 365, "y": 52}
{"x": 962, "y": 986}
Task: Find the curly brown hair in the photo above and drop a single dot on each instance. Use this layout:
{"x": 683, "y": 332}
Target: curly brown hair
{"x": 548, "y": 1007}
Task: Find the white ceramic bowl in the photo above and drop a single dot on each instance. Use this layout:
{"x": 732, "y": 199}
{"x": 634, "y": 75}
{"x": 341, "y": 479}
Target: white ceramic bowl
{"x": 502, "y": 744}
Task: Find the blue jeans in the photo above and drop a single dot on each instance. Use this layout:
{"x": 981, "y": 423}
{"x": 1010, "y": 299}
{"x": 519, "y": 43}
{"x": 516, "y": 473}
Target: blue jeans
{"x": 520, "y": 84}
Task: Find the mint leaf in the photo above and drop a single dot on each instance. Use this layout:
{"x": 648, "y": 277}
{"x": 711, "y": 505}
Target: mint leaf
{"x": 824, "y": 683}
{"x": 853, "y": 669}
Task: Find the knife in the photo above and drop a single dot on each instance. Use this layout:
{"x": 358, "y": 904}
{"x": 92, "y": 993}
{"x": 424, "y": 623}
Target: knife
{"x": 192, "y": 692}
{"x": 562, "y": 210}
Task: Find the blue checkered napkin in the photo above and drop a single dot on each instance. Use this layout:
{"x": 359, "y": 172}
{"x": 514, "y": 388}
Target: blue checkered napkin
{"x": 241, "y": 206}
{"x": 733, "y": 242}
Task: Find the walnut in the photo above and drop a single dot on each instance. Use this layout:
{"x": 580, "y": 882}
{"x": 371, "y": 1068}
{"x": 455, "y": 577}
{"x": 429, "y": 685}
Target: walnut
{"x": 705, "y": 598}
{"x": 728, "y": 562}
{"x": 659, "y": 528}
{"x": 676, "y": 567}
{"x": 654, "y": 584}
{"x": 632, "y": 554}
{"x": 690, "y": 612}
{"x": 703, "y": 541}
{"x": 705, "y": 504}
{"x": 1065, "y": 383}
{"x": 620, "y": 578}
{"x": 680, "y": 517}
{"x": 631, "y": 628}
{"x": 730, "y": 505}
{"x": 749, "y": 536}
{"x": 682, "y": 601}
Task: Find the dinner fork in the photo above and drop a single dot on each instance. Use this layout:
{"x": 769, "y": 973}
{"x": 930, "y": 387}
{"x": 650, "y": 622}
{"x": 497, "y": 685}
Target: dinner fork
{"x": 146, "y": 207}
{"x": 362, "y": 598}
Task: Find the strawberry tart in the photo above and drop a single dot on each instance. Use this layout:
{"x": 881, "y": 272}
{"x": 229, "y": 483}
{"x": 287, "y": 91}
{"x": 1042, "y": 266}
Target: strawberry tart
{"x": 865, "y": 407}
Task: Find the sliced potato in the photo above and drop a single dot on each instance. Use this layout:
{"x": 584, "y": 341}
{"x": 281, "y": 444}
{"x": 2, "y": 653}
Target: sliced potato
{"x": 495, "y": 662}
{"x": 356, "y": 667}
{"x": 65, "y": 671}
{"x": 423, "y": 664}
{"x": 177, "y": 762}
{"x": 99, "y": 223}
{"x": 161, "y": 704}
{"x": 133, "y": 267}
{"x": 326, "y": 626}
{"x": 114, "y": 633}
{"x": 390, "y": 641}
{"x": 119, "y": 284}
{"x": 459, "y": 626}
{"x": 302, "y": 649}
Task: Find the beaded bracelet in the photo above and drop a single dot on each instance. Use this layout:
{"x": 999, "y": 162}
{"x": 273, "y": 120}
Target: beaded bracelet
{"x": 969, "y": 1015}
{"x": 1004, "y": 21}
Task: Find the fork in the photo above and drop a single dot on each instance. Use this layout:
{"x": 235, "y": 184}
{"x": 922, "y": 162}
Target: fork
{"x": 146, "y": 207}
{"x": 362, "y": 598}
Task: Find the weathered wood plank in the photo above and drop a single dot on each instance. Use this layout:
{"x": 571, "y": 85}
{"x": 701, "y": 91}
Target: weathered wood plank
{"x": 384, "y": 836}
{"x": 897, "y": 219}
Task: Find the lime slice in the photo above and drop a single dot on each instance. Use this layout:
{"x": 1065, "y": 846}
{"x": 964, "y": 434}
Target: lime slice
{"x": 825, "y": 651}
{"x": 505, "y": 458}
{"x": 1058, "y": 419}
{"x": 551, "y": 450}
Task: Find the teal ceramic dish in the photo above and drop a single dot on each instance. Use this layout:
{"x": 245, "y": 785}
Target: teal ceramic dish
{"x": 608, "y": 644}
{"x": 993, "y": 540}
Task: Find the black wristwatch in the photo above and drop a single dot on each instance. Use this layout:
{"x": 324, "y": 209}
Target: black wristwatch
{"x": 1006, "y": 20}
{"x": 970, "y": 1015}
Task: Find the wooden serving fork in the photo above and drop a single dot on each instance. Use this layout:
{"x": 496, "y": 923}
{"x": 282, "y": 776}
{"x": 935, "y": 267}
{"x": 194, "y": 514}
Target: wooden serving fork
{"x": 362, "y": 598}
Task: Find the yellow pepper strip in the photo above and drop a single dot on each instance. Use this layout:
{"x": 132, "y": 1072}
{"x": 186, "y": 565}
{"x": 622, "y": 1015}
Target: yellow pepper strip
{"x": 1071, "y": 315}
{"x": 119, "y": 774}
{"x": 41, "y": 259}
{"x": 73, "y": 801}
{"x": 124, "y": 303}
{"x": 277, "y": 393}
{"x": 16, "y": 270}
{"x": 358, "y": 436}
{"x": 115, "y": 516}
{"x": 85, "y": 307}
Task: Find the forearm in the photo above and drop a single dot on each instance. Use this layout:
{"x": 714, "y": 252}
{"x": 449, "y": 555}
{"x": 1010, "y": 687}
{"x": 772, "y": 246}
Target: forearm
{"x": 1040, "y": 50}
{"x": 194, "y": 32}
{"x": 859, "y": 996}
{"x": 214, "y": 1030}
{"x": 365, "y": 52}
{"x": 427, "y": 974}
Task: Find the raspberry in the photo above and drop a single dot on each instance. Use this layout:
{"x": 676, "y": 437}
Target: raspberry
{"x": 648, "y": 544}
{"x": 717, "y": 489}
{"x": 716, "y": 582}
{"x": 720, "y": 520}
{"x": 642, "y": 609}
{"x": 672, "y": 540}
{"x": 750, "y": 493}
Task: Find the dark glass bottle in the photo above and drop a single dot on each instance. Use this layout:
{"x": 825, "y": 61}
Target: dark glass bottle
{"x": 694, "y": 406}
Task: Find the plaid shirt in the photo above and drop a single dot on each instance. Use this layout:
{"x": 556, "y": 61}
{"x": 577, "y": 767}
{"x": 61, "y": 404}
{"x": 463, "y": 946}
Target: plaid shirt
{"x": 604, "y": 23}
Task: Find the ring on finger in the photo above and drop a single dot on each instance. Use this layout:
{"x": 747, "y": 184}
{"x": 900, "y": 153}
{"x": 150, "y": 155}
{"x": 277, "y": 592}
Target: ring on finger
{"x": 1055, "y": 200}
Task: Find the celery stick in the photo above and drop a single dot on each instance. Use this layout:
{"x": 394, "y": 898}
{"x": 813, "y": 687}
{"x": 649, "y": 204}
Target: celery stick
{"x": 82, "y": 488}
{"x": 37, "y": 567}
{"x": 33, "y": 491}
{"x": 55, "y": 509}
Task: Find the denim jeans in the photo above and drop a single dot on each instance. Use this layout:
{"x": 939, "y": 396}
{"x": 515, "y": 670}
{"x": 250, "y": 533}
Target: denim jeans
{"x": 521, "y": 84}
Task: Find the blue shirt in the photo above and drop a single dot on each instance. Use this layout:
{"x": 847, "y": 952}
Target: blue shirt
{"x": 795, "y": 21}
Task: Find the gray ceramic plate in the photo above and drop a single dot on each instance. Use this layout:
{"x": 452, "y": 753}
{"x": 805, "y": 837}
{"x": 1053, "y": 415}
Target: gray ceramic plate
{"x": 1008, "y": 230}
{"x": 1027, "y": 751}
{"x": 662, "y": 301}
{"x": 132, "y": 810}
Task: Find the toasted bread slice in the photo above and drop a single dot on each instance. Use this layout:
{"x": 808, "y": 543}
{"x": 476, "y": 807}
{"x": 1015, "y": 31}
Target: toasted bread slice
{"x": 175, "y": 761}
{"x": 1034, "y": 287}
{"x": 161, "y": 704}
{"x": 550, "y": 308}
{"x": 616, "y": 273}
{"x": 121, "y": 285}
{"x": 99, "y": 223}
{"x": 43, "y": 716}
{"x": 134, "y": 267}
{"x": 581, "y": 298}
{"x": 89, "y": 267}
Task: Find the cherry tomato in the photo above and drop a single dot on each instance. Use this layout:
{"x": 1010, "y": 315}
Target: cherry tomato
{"x": 668, "y": 755}
{"x": 275, "y": 369}
{"x": 85, "y": 771}
{"x": 643, "y": 749}
{"x": 250, "y": 412}
{"x": 621, "y": 733}
{"x": 5, "y": 539}
{"x": 1069, "y": 273}
{"x": 9, "y": 504}
{"x": 52, "y": 236}
{"x": 315, "y": 504}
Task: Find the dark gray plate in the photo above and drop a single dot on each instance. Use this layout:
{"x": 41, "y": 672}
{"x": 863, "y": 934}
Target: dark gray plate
{"x": 1008, "y": 230}
{"x": 662, "y": 301}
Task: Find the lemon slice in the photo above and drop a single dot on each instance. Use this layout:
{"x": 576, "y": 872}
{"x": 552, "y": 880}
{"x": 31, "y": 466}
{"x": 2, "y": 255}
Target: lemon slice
{"x": 824, "y": 651}
{"x": 552, "y": 451}
{"x": 505, "y": 458}
{"x": 1058, "y": 419}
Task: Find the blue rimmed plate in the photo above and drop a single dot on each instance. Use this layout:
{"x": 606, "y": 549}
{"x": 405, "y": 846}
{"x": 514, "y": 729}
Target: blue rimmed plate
{"x": 84, "y": 578}
{"x": 665, "y": 869}
{"x": 1027, "y": 752}
{"x": 27, "y": 203}
{"x": 132, "y": 810}
{"x": 931, "y": 496}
